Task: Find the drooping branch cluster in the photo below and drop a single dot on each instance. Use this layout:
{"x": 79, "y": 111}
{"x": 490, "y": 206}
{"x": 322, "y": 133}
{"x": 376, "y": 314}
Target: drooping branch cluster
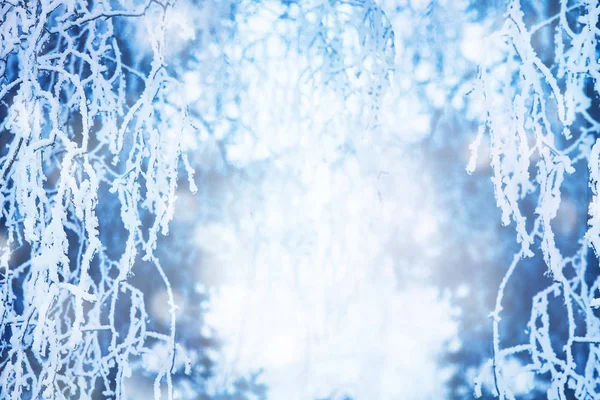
{"x": 82, "y": 123}
{"x": 541, "y": 124}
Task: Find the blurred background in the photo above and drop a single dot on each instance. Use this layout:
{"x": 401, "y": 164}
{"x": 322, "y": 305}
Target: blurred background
{"x": 336, "y": 249}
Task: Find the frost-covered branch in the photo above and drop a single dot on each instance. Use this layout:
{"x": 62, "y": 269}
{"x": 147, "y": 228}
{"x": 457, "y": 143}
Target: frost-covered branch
{"x": 539, "y": 118}
{"x": 77, "y": 136}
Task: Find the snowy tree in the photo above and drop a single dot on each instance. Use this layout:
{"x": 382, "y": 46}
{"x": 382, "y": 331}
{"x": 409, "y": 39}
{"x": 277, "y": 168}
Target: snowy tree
{"x": 86, "y": 123}
{"x": 538, "y": 86}
{"x": 326, "y": 137}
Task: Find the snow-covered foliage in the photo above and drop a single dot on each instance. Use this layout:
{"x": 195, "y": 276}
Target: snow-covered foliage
{"x": 86, "y": 124}
{"x": 323, "y": 134}
{"x": 537, "y": 84}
